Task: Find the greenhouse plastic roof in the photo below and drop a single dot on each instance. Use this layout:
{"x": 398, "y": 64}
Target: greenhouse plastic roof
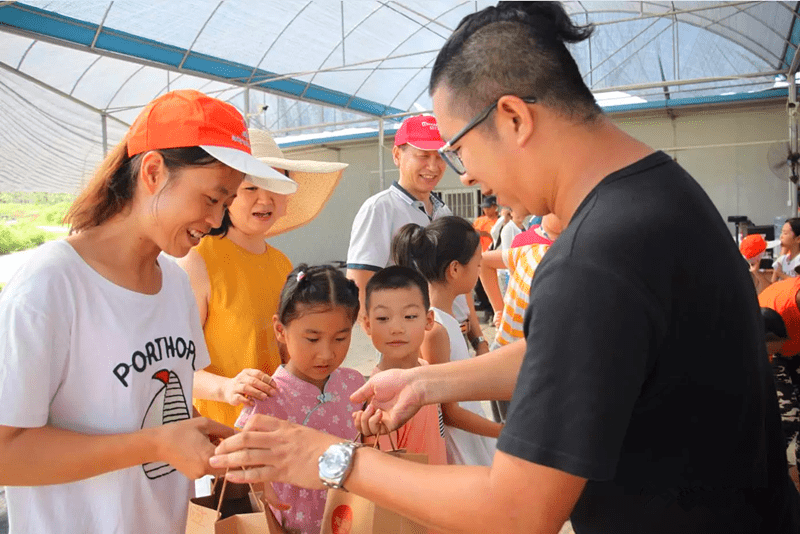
{"x": 74, "y": 74}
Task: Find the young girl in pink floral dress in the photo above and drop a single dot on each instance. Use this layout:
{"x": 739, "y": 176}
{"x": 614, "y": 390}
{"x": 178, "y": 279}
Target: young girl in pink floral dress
{"x": 317, "y": 310}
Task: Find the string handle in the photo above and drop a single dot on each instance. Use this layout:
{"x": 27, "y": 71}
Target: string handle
{"x": 376, "y": 445}
{"x": 225, "y": 485}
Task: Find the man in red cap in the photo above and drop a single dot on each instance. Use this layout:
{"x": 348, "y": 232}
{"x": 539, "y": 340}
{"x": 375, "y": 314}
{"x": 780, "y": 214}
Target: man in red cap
{"x": 410, "y": 199}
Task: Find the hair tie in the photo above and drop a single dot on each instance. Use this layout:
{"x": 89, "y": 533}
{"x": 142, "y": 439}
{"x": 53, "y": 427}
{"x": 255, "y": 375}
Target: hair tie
{"x": 300, "y": 276}
{"x": 352, "y": 286}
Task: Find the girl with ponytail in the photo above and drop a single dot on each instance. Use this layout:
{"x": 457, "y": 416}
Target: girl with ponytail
{"x": 448, "y": 254}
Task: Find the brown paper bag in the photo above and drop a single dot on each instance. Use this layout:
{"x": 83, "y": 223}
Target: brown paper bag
{"x": 231, "y": 512}
{"x": 347, "y": 513}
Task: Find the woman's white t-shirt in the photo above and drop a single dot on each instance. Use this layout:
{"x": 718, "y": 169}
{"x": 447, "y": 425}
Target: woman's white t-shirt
{"x": 84, "y": 354}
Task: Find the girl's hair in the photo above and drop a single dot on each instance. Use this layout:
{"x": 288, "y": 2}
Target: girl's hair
{"x": 319, "y": 286}
{"x": 431, "y": 250}
{"x": 516, "y": 48}
{"x": 794, "y": 223}
{"x": 112, "y": 187}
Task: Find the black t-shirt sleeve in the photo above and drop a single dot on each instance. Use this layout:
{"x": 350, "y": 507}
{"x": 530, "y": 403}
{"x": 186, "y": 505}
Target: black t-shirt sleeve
{"x": 588, "y": 332}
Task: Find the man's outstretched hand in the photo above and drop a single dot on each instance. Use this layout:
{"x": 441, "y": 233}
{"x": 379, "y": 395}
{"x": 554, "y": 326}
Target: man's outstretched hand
{"x": 392, "y": 397}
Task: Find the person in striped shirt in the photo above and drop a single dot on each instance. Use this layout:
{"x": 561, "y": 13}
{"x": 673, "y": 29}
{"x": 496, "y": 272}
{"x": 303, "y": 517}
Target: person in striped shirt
{"x": 521, "y": 262}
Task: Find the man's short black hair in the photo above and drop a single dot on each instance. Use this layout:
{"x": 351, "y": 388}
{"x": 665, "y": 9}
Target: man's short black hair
{"x": 516, "y": 48}
{"x": 396, "y": 277}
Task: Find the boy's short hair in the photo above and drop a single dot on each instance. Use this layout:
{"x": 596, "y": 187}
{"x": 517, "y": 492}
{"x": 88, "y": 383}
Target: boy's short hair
{"x": 396, "y": 277}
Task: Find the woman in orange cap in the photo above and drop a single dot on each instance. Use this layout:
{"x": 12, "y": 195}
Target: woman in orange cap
{"x": 100, "y": 334}
{"x": 237, "y": 277}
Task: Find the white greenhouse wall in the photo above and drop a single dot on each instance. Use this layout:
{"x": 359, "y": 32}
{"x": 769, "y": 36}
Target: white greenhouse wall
{"x": 736, "y": 178}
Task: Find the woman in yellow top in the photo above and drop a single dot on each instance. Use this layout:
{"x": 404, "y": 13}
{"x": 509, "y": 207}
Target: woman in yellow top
{"x": 237, "y": 278}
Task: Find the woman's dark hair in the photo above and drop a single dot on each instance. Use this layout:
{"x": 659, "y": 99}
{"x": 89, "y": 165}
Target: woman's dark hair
{"x": 112, "y": 187}
{"x": 432, "y": 249}
{"x": 227, "y": 224}
{"x": 794, "y": 223}
{"x": 320, "y": 286}
{"x": 516, "y": 48}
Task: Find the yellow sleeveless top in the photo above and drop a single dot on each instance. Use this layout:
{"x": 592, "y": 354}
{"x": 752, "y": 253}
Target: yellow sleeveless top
{"x": 244, "y": 293}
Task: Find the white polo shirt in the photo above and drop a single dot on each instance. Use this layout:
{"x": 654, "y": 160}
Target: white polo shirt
{"x": 379, "y": 219}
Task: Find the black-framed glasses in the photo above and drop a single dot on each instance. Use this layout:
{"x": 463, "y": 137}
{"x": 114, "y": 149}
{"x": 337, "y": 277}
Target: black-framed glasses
{"x": 451, "y": 156}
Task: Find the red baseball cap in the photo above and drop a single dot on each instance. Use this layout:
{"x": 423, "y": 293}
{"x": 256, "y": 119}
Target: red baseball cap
{"x": 421, "y": 132}
{"x": 187, "y": 118}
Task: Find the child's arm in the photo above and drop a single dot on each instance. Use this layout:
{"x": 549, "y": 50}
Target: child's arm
{"x": 436, "y": 349}
{"x": 491, "y": 261}
{"x": 458, "y": 417}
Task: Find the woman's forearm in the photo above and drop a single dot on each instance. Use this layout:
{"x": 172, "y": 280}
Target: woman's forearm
{"x": 49, "y": 455}
{"x": 490, "y": 377}
{"x": 208, "y": 386}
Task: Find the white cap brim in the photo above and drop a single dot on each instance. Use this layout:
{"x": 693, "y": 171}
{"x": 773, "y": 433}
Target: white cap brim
{"x": 774, "y": 243}
{"x": 256, "y": 172}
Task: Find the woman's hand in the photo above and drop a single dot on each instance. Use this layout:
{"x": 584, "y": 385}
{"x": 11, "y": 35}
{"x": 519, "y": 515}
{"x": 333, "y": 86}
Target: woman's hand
{"x": 274, "y": 450}
{"x": 249, "y": 384}
{"x": 394, "y": 393}
{"x": 188, "y": 445}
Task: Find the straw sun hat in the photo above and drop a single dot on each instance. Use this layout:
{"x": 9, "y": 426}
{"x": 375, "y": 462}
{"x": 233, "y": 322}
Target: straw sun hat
{"x": 316, "y": 181}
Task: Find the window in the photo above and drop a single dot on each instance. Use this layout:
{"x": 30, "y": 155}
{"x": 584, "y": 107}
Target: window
{"x": 462, "y": 202}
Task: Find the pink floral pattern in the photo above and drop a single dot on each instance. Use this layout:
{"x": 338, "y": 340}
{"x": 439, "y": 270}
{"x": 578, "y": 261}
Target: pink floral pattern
{"x": 330, "y": 411}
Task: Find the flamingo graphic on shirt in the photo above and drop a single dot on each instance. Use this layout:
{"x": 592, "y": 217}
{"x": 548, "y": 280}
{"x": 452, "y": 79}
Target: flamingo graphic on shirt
{"x": 168, "y": 405}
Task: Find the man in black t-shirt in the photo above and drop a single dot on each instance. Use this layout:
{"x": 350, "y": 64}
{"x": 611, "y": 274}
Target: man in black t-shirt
{"x": 643, "y": 401}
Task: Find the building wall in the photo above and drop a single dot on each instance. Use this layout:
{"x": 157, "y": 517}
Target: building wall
{"x": 737, "y": 178}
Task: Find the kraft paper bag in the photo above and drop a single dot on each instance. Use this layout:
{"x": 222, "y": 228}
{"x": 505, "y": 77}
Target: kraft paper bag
{"x": 239, "y": 510}
{"x": 347, "y": 513}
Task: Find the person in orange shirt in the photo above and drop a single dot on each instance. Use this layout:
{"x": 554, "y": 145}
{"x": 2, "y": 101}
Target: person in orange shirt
{"x": 783, "y": 298}
{"x": 485, "y": 222}
{"x": 483, "y": 225}
{"x": 398, "y": 316}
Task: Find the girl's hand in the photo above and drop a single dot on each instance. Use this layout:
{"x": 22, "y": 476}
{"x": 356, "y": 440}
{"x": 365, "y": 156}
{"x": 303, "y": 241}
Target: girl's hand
{"x": 368, "y": 421}
{"x": 249, "y": 384}
{"x": 498, "y": 317}
{"x": 394, "y": 393}
{"x": 187, "y": 445}
{"x": 274, "y": 450}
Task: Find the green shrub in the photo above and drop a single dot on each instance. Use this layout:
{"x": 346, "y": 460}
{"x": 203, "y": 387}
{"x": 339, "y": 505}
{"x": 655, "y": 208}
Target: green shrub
{"x": 21, "y": 236}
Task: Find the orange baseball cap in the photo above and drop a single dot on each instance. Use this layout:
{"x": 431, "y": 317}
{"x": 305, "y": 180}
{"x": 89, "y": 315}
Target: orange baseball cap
{"x": 188, "y": 118}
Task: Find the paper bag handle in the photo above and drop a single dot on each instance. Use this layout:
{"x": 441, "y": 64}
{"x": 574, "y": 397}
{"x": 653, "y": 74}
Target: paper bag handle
{"x": 225, "y": 485}
{"x": 376, "y": 445}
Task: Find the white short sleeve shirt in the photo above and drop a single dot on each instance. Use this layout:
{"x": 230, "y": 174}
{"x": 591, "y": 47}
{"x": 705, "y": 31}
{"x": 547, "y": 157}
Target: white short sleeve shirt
{"x": 83, "y": 354}
{"x": 379, "y": 219}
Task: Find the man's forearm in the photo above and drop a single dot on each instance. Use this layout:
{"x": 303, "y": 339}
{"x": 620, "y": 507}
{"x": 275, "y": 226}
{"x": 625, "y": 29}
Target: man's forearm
{"x": 490, "y": 377}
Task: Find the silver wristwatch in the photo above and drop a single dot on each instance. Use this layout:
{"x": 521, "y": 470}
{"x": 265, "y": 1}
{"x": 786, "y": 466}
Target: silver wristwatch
{"x": 336, "y": 462}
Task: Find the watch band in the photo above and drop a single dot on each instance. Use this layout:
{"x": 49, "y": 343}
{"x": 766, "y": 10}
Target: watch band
{"x": 338, "y": 483}
{"x": 475, "y": 341}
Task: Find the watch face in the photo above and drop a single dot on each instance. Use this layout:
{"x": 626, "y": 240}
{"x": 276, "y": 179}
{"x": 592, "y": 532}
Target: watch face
{"x": 333, "y": 463}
